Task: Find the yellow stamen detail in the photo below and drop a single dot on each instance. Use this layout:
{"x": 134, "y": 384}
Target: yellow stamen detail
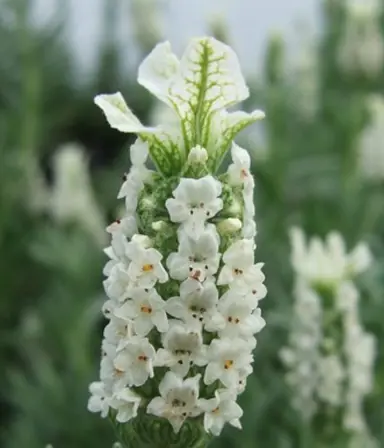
{"x": 228, "y": 364}
{"x": 146, "y": 309}
{"x": 148, "y": 268}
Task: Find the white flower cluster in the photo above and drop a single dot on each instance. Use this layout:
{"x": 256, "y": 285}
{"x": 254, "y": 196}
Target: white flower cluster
{"x": 183, "y": 296}
{"x": 370, "y": 148}
{"x": 71, "y": 198}
{"x": 305, "y": 69}
{"x": 327, "y": 263}
{"x": 329, "y": 357}
{"x": 359, "y": 350}
{"x": 361, "y": 50}
{"x": 184, "y": 322}
{"x": 302, "y": 354}
{"x": 147, "y": 21}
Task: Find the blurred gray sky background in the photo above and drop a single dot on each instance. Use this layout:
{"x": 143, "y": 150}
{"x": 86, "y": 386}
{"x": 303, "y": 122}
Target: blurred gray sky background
{"x": 250, "y": 22}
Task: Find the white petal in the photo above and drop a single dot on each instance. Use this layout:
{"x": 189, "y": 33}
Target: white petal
{"x": 118, "y": 114}
{"x": 157, "y": 406}
{"x": 170, "y": 381}
{"x": 200, "y": 359}
{"x": 212, "y": 372}
{"x": 178, "y": 266}
{"x": 127, "y": 311}
{"x": 125, "y": 414}
{"x": 224, "y": 85}
{"x": 129, "y": 396}
{"x": 230, "y": 378}
{"x": 148, "y": 349}
{"x": 217, "y": 426}
{"x": 249, "y": 229}
{"x": 175, "y": 307}
{"x": 130, "y": 190}
{"x": 177, "y": 423}
{"x": 160, "y": 320}
{"x": 193, "y": 384}
{"x": 209, "y": 405}
{"x": 157, "y": 71}
{"x": 208, "y": 187}
{"x": 208, "y": 421}
{"x": 161, "y": 273}
{"x": 240, "y": 254}
{"x": 181, "y": 369}
{"x": 224, "y": 127}
{"x": 257, "y": 323}
{"x": 94, "y": 404}
{"x": 143, "y": 325}
{"x": 190, "y": 286}
{"x": 97, "y": 388}
{"x": 163, "y": 358}
{"x": 139, "y": 152}
{"x": 177, "y": 210}
{"x": 360, "y": 258}
{"x": 240, "y": 156}
{"x": 215, "y": 322}
{"x": 298, "y": 245}
{"x": 156, "y": 301}
{"x": 215, "y": 206}
{"x": 152, "y": 256}
{"x": 225, "y": 276}
{"x": 236, "y": 423}
{"x": 194, "y": 228}
{"x": 137, "y": 375}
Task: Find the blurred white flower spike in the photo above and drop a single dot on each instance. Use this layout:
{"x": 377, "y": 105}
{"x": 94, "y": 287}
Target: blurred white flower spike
{"x": 72, "y": 199}
{"x": 327, "y": 263}
{"x": 182, "y": 283}
{"x": 370, "y": 147}
{"x": 361, "y": 47}
{"x": 329, "y": 357}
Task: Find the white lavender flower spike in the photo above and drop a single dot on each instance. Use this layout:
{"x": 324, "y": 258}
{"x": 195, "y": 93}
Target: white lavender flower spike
{"x": 329, "y": 357}
{"x": 182, "y": 283}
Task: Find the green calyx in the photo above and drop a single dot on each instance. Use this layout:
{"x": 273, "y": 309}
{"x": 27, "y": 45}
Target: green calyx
{"x": 148, "y": 431}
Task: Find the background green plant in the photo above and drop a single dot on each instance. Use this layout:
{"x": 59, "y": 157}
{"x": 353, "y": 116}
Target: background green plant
{"x": 50, "y": 282}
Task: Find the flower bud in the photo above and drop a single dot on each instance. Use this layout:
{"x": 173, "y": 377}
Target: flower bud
{"x": 158, "y": 225}
{"x": 230, "y": 225}
{"x": 197, "y": 155}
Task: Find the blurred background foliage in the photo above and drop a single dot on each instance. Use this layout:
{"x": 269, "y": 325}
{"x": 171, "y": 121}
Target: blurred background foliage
{"x": 318, "y": 161}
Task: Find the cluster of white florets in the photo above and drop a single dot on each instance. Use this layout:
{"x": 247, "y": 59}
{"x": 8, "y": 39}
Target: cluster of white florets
{"x": 183, "y": 288}
{"x": 370, "y": 148}
{"x": 361, "y": 48}
{"x": 202, "y": 336}
{"x": 329, "y": 357}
